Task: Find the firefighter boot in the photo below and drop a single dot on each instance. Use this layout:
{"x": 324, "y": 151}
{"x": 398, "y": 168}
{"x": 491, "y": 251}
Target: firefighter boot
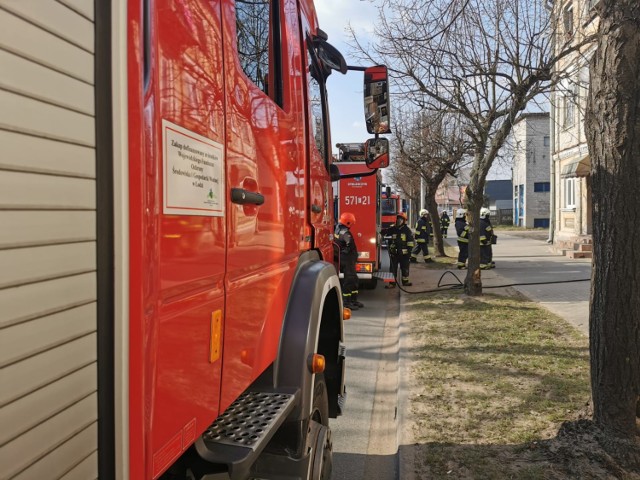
{"x": 406, "y": 282}
{"x": 347, "y": 301}
{"x": 354, "y": 300}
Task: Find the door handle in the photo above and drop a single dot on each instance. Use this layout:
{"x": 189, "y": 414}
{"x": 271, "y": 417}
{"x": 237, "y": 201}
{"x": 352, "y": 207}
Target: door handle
{"x": 245, "y": 197}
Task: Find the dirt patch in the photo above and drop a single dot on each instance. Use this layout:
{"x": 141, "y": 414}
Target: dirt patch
{"x": 499, "y": 390}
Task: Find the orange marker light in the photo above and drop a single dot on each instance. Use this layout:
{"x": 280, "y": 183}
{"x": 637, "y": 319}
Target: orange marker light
{"x": 317, "y": 363}
{"x": 306, "y": 239}
{"x": 216, "y": 336}
{"x": 346, "y": 313}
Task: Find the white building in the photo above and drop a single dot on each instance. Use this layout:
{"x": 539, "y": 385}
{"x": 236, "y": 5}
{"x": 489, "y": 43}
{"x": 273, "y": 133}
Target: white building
{"x": 531, "y": 171}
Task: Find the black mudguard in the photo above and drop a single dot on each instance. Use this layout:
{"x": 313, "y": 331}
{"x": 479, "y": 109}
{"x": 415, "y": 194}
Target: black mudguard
{"x": 312, "y": 323}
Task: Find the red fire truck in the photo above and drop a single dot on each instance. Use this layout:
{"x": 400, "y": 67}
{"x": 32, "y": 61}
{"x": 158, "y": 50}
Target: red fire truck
{"x": 170, "y": 305}
{"x": 359, "y": 193}
{"x": 391, "y": 205}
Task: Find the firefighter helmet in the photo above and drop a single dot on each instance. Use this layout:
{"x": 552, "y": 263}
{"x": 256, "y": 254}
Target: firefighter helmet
{"x": 461, "y": 212}
{"x": 484, "y": 212}
{"x": 423, "y": 212}
{"x": 347, "y": 219}
{"x": 402, "y": 215}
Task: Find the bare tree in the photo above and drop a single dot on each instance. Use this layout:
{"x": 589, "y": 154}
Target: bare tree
{"x": 405, "y": 180}
{"x": 613, "y": 135}
{"x": 485, "y": 60}
{"x": 432, "y": 145}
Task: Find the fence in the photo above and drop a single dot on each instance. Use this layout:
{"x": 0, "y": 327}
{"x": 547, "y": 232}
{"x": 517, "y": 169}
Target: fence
{"x": 502, "y": 216}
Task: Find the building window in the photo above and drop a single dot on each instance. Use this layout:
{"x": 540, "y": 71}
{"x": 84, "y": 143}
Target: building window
{"x": 570, "y": 193}
{"x": 592, "y": 4}
{"x": 546, "y": 140}
{"x": 567, "y": 21}
{"x": 569, "y": 106}
{"x": 583, "y": 89}
{"x": 542, "y": 187}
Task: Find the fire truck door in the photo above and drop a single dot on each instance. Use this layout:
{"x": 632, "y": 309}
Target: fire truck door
{"x": 265, "y": 182}
{"x": 184, "y": 188}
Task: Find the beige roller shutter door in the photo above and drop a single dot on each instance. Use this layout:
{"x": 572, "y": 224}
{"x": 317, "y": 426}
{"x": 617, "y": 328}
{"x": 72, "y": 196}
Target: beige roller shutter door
{"x": 48, "y": 399}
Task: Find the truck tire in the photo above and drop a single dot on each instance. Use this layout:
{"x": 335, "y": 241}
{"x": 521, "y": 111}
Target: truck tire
{"x": 319, "y": 432}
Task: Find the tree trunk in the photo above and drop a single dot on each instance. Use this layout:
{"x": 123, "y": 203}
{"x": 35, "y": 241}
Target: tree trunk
{"x": 613, "y": 135}
{"x": 473, "y": 280}
{"x": 438, "y": 243}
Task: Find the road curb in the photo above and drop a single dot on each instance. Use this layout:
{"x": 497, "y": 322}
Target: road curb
{"x": 406, "y": 458}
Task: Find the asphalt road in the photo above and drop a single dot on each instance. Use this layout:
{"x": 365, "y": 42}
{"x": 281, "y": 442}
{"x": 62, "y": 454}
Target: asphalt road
{"x": 365, "y": 437}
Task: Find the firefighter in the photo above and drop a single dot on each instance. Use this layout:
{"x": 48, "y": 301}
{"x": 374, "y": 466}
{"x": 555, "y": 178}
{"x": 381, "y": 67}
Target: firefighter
{"x": 400, "y": 245}
{"x": 444, "y": 223}
{"x": 486, "y": 238}
{"x": 348, "y": 258}
{"x": 422, "y": 238}
{"x": 462, "y": 230}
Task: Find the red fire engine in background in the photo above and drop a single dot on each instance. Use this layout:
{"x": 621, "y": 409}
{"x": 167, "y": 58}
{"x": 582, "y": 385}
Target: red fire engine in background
{"x": 359, "y": 193}
{"x": 217, "y": 343}
{"x": 390, "y": 206}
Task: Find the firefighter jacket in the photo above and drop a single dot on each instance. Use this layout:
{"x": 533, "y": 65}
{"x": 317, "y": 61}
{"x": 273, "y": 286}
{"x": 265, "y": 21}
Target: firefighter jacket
{"x": 422, "y": 230}
{"x": 462, "y": 229}
{"x": 444, "y": 221}
{"x": 346, "y": 244}
{"x": 486, "y": 232}
{"x": 401, "y": 241}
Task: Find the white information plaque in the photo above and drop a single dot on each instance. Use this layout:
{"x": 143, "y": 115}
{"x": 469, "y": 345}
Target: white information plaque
{"x": 193, "y": 173}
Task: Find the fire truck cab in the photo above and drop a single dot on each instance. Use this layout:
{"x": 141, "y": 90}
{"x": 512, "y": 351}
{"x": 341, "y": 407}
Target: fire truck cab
{"x": 358, "y": 192}
{"x": 391, "y": 205}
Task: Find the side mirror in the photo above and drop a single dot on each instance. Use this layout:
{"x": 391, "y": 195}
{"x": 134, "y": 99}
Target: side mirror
{"x": 329, "y": 56}
{"x": 376, "y": 153}
{"x": 376, "y": 100}
{"x": 334, "y": 173}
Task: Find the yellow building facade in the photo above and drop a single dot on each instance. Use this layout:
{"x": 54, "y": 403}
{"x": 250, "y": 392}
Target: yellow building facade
{"x": 574, "y": 22}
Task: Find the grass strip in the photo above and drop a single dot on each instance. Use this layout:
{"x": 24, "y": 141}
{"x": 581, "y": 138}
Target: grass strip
{"x": 493, "y": 376}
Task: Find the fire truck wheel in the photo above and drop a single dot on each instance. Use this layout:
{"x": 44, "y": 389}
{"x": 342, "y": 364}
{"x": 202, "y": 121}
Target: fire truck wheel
{"x": 319, "y": 432}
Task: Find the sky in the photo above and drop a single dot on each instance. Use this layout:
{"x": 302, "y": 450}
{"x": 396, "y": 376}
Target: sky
{"x": 346, "y": 106}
